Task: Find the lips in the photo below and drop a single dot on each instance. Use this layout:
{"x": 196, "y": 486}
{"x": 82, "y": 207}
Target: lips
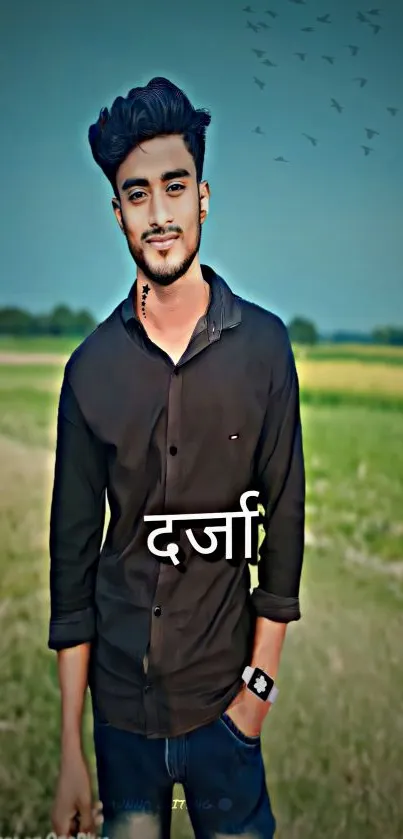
{"x": 162, "y": 242}
{"x": 163, "y": 238}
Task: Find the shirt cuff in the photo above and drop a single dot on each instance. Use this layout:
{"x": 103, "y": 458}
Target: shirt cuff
{"x": 72, "y": 629}
{"x": 274, "y": 607}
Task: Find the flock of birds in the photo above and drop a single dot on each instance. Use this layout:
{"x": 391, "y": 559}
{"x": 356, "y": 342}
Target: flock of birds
{"x": 325, "y": 19}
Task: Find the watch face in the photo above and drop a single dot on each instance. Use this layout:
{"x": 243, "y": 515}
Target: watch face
{"x": 260, "y": 683}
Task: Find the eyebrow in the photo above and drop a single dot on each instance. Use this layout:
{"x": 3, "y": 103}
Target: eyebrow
{"x": 166, "y": 176}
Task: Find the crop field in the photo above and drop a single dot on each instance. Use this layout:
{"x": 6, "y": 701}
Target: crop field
{"x": 333, "y": 742}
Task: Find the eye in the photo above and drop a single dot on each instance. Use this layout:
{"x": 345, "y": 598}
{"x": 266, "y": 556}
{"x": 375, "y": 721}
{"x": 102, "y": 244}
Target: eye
{"x": 139, "y": 192}
{"x": 181, "y": 186}
{"x": 134, "y": 194}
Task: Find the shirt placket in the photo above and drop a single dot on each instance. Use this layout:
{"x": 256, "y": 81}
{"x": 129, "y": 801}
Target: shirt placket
{"x": 171, "y": 495}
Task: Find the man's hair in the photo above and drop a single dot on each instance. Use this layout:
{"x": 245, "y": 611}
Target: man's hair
{"x": 159, "y": 108}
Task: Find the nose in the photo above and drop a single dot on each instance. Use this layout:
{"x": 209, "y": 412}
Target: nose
{"x": 160, "y": 212}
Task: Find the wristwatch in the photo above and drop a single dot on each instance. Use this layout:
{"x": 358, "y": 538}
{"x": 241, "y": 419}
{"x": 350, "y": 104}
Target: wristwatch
{"x": 260, "y": 683}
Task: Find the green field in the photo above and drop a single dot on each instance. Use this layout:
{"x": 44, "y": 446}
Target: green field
{"x": 333, "y": 743}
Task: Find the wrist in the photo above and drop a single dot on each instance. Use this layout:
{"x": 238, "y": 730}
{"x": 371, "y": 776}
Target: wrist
{"x": 71, "y": 741}
{"x": 260, "y": 683}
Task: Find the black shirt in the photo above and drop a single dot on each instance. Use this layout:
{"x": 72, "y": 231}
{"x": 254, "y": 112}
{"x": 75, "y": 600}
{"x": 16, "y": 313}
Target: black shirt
{"x": 169, "y": 642}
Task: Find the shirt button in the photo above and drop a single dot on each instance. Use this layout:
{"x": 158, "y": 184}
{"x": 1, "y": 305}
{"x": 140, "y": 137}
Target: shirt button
{"x": 172, "y": 450}
{"x": 157, "y": 611}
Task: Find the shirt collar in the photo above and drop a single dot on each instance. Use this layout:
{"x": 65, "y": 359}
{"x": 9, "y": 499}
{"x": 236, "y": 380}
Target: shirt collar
{"x": 224, "y": 309}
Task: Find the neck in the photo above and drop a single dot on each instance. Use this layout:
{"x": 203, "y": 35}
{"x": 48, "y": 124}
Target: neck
{"x": 172, "y": 309}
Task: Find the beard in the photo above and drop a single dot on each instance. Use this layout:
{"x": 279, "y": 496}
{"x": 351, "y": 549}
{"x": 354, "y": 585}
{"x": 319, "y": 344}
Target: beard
{"x": 166, "y": 274}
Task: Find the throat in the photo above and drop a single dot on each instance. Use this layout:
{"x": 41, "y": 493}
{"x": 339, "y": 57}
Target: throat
{"x": 166, "y": 317}
{"x": 174, "y": 339}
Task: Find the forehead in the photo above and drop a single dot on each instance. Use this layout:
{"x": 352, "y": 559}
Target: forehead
{"x": 153, "y": 157}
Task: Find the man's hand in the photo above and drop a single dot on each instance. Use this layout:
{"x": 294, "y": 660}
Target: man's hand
{"x": 73, "y": 808}
{"x": 248, "y": 712}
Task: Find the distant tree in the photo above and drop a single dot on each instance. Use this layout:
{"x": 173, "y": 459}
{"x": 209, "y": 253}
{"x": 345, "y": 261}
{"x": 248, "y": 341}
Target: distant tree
{"x": 84, "y": 321}
{"x": 388, "y": 335}
{"x": 302, "y": 331}
{"x": 345, "y": 337}
{"x": 14, "y": 321}
{"x": 60, "y": 321}
{"x": 40, "y": 325}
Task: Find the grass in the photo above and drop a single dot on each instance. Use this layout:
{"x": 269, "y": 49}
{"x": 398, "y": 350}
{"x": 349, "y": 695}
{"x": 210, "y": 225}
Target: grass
{"x": 364, "y": 353}
{"x": 42, "y": 344}
{"x": 359, "y": 376}
{"x": 333, "y": 743}
{"x": 369, "y": 353}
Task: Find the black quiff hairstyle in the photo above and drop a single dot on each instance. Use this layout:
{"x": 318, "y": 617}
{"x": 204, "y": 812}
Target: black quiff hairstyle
{"x": 159, "y": 108}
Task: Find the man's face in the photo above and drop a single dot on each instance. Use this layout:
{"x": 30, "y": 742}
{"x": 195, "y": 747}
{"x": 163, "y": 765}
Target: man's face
{"x": 159, "y": 195}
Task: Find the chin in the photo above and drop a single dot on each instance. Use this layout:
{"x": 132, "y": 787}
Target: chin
{"x": 168, "y": 277}
{"x": 164, "y": 268}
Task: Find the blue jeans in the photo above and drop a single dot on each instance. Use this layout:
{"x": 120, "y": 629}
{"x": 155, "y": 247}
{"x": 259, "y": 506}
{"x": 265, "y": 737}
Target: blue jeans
{"x": 220, "y": 768}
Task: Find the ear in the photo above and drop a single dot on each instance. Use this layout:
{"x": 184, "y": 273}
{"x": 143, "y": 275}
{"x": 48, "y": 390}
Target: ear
{"x": 204, "y": 199}
{"x": 118, "y": 212}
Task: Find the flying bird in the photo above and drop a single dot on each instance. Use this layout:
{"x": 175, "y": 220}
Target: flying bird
{"x": 367, "y": 150}
{"x": 281, "y": 159}
{"x": 313, "y": 140}
{"x": 336, "y": 105}
{"x": 250, "y": 25}
{"x": 353, "y": 49}
{"x": 329, "y": 58}
{"x": 375, "y": 27}
{"x": 362, "y": 18}
{"x": 301, "y": 55}
{"x": 248, "y": 9}
{"x": 263, "y": 25}
{"x": 373, "y": 12}
{"x": 298, "y": 2}
{"x": 307, "y": 29}
{"x": 392, "y": 111}
{"x": 257, "y": 130}
{"x": 268, "y": 63}
{"x": 361, "y": 81}
{"x": 371, "y": 133}
{"x": 259, "y": 53}
{"x": 259, "y": 83}
{"x": 269, "y": 12}
{"x": 324, "y": 19}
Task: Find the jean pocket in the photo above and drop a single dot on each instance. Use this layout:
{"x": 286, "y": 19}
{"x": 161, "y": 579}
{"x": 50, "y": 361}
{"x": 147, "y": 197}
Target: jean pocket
{"x": 240, "y": 736}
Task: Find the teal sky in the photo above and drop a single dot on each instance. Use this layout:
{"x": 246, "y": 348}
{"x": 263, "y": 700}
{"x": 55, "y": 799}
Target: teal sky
{"x": 320, "y": 236}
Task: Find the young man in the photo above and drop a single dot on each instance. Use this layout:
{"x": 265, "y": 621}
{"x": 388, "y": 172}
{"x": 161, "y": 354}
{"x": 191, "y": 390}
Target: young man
{"x": 182, "y": 399}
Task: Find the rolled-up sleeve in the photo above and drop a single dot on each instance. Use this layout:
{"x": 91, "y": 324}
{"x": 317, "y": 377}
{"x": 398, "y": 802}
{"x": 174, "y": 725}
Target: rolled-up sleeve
{"x": 77, "y": 518}
{"x": 281, "y": 484}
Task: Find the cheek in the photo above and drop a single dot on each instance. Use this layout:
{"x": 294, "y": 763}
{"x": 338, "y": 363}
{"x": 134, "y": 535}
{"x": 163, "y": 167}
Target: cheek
{"x": 136, "y": 225}
{"x": 135, "y": 238}
{"x": 192, "y": 226}
{"x": 190, "y": 237}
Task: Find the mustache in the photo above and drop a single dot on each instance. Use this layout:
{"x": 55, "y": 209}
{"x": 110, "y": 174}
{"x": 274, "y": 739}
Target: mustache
{"x": 161, "y": 232}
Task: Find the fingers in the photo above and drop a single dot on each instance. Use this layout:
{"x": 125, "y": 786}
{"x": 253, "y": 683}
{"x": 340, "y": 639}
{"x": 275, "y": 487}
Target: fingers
{"x": 98, "y": 814}
{"x": 88, "y": 822}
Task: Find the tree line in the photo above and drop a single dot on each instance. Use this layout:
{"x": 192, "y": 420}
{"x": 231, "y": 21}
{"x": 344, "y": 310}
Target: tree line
{"x": 64, "y": 321}
{"x": 303, "y": 331}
